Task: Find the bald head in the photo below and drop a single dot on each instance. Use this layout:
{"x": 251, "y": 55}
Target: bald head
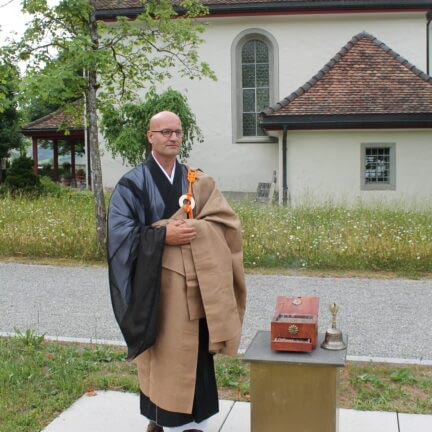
{"x": 162, "y": 118}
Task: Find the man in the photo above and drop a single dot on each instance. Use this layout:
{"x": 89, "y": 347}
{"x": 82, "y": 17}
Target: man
{"x": 176, "y": 280}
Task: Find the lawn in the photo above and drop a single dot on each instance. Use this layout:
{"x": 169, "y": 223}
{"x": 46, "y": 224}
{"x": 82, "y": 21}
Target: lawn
{"x": 39, "y": 379}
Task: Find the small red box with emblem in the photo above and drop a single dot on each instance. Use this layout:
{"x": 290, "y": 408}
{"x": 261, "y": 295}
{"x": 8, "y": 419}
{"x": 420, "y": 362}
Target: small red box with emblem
{"x": 295, "y": 324}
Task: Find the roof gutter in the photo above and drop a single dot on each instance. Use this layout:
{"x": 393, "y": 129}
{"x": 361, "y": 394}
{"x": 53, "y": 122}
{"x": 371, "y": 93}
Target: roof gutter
{"x": 347, "y": 121}
{"x": 284, "y": 168}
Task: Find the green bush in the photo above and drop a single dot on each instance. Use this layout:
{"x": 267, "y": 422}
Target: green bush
{"x": 52, "y": 188}
{"x": 21, "y": 178}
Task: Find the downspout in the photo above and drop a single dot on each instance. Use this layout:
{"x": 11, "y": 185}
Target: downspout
{"x": 428, "y": 21}
{"x": 284, "y": 168}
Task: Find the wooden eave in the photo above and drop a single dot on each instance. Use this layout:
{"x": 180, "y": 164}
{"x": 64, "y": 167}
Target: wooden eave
{"x": 73, "y": 134}
{"x": 132, "y": 9}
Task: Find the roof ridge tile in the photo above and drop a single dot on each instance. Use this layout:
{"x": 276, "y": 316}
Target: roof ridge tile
{"x": 336, "y": 59}
{"x": 403, "y": 61}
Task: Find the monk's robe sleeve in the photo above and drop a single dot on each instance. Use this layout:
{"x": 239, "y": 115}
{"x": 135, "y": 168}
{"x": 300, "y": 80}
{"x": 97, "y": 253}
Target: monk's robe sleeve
{"x": 134, "y": 261}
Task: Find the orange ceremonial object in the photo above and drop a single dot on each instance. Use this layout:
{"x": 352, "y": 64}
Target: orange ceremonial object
{"x": 187, "y": 206}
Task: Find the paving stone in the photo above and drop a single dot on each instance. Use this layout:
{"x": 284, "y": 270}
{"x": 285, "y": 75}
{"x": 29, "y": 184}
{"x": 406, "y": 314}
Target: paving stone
{"x": 367, "y": 421}
{"x": 415, "y": 423}
{"x": 239, "y": 418}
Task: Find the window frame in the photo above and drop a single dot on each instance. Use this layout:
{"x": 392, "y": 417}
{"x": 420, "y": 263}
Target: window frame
{"x": 236, "y": 80}
{"x": 391, "y": 184}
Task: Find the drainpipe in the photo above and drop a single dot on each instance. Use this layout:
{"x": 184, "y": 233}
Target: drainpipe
{"x": 428, "y": 21}
{"x": 284, "y": 168}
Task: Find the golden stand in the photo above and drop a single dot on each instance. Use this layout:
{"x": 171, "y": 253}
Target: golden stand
{"x": 293, "y": 391}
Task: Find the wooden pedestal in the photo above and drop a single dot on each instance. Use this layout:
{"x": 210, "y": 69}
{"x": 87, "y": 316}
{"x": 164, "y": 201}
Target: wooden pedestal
{"x": 293, "y": 391}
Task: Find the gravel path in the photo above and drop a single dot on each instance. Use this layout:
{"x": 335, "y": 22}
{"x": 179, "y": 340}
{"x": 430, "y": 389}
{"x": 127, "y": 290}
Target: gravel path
{"x": 384, "y": 318}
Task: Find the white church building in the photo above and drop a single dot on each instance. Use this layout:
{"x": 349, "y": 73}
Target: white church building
{"x": 333, "y": 96}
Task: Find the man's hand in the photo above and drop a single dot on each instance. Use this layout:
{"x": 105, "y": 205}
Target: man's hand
{"x": 179, "y": 233}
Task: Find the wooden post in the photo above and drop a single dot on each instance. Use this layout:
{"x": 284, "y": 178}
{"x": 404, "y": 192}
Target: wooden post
{"x": 55, "y": 157}
{"x": 35, "y": 155}
{"x": 73, "y": 174}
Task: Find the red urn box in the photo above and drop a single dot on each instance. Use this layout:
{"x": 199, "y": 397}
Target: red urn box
{"x": 295, "y": 324}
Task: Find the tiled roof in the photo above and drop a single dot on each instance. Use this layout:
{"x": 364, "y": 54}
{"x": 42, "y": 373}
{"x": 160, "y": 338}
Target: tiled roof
{"x": 117, "y": 4}
{"x": 248, "y": 5}
{"x": 53, "y": 121}
{"x": 364, "y": 77}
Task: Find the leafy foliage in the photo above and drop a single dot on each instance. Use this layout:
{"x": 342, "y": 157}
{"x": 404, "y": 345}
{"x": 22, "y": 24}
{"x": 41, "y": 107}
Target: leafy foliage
{"x": 58, "y": 46}
{"x": 125, "y": 128}
{"x": 10, "y": 138}
{"x": 20, "y": 176}
{"x": 70, "y": 53}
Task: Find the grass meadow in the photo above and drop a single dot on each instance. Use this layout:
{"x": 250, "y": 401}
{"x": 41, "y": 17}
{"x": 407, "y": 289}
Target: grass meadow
{"x": 371, "y": 239}
{"x": 40, "y": 379}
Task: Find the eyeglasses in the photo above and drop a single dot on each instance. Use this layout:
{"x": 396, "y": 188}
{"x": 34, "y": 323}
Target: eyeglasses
{"x": 168, "y": 132}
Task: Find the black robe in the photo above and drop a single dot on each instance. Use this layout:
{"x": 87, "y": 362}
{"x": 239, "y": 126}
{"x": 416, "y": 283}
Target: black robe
{"x": 143, "y": 196}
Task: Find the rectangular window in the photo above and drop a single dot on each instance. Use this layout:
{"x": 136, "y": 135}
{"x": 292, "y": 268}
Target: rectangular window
{"x": 378, "y": 166}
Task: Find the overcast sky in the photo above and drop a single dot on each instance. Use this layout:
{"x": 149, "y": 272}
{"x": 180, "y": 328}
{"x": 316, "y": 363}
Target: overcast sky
{"x": 11, "y": 18}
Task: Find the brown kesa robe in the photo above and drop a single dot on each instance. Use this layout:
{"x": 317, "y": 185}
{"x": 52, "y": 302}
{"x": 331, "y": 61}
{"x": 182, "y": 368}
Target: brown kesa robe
{"x": 203, "y": 279}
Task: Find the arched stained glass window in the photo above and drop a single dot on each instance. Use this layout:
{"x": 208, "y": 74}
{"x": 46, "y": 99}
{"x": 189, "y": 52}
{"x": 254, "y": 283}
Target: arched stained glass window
{"x": 255, "y": 70}
{"x": 255, "y": 73}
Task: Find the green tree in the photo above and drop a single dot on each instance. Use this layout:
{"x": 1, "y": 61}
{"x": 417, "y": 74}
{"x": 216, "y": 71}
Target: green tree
{"x": 10, "y": 137}
{"x": 116, "y": 60}
{"x": 125, "y": 127}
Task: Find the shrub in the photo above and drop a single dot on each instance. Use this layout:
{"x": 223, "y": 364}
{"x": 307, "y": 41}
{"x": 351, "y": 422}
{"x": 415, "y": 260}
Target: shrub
{"x": 52, "y": 188}
{"x": 20, "y": 176}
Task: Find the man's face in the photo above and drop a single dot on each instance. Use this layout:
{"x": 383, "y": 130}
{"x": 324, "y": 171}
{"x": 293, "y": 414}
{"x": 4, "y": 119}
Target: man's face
{"x": 165, "y": 147}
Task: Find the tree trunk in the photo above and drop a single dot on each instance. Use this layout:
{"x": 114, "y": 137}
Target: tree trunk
{"x": 96, "y": 169}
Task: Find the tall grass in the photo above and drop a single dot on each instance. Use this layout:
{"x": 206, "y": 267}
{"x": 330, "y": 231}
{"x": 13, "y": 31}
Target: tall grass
{"x": 60, "y": 226}
{"x": 332, "y": 237}
{"x": 327, "y": 237}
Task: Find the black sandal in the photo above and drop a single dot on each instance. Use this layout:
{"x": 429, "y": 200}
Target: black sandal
{"x": 153, "y": 427}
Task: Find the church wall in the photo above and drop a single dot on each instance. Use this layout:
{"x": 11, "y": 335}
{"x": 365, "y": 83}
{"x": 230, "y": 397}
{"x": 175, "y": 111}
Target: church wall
{"x": 305, "y": 45}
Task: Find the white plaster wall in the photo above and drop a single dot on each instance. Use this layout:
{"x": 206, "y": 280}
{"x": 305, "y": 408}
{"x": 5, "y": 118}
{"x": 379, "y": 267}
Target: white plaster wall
{"x": 112, "y": 168}
{"x": 325, "y": 166}
{"x": 306, "y": 43}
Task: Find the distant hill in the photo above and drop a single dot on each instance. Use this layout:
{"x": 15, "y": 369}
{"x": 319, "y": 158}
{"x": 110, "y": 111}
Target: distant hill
{"x": 45, "y": 156}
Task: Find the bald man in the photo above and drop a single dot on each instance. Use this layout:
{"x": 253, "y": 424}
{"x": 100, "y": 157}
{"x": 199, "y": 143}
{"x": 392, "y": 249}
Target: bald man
{"x": 176, "y": 280}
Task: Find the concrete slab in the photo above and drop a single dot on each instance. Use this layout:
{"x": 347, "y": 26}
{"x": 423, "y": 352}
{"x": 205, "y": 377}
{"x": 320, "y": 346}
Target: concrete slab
{"x": 415, "y": 423}
{"x": 238, "y": 419}
{"x": 110, "y": 411}
{"x": 217, "y": 421}
{"x": 370, "y": 421}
